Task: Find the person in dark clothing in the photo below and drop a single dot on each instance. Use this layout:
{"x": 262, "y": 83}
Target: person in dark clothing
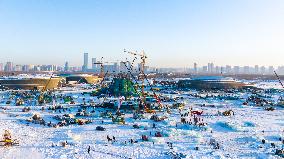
{"x": 89, "y": 149}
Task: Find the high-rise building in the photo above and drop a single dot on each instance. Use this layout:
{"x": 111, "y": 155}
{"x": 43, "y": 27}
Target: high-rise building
{"x": 1, "y": 67}
{"x": 262, "y": 69}
{"x": 280, "y": 70}
{"x": 195, "y": 68}
{"x": 18, "y": 68}
{"x": 37, "y": 68}
{"x": 222, "y": 69}
{"x": 256, "y": 69}
{"x": 270, "y": 70}
{"x": 228, "y": 69}
{"x": 217, "y": 69}
{"x": 94, "y": 66}
{"x": 246, "y": 70}
{"x": 210, "y": 67}
{"x": 8, "y": 66}
{"x": 66, "y": 67}
{"x": 204, "y": 69}
{"x": 85, "y": 65}
{"x": 236, "y": 69}
{"x": 111, "y": 68}
{"x": 123, "y": 67}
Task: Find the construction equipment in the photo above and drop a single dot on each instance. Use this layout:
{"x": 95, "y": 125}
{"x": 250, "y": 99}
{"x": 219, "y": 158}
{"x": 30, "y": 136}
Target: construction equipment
{"x": 143, "y": 99}
{"x": 280, "y": 100}
{"x": 102, "y": 67}
{"x": 7, "y": 139}
{"x": 41, "y": 96}
{"x": 279, "y": 79}
{"x": 142, "y": 66}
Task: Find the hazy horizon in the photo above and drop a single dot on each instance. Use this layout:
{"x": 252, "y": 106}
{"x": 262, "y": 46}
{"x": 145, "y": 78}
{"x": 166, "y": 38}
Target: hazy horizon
{"x": 173, "y": 33}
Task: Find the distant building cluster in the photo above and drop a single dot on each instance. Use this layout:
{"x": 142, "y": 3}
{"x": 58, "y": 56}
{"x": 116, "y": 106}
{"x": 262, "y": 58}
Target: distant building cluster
{"x": 111, "y": 66}
{"x": 228, "y": 69}
{"x": 97, "y": 66}
{"x": 10, "y": 67}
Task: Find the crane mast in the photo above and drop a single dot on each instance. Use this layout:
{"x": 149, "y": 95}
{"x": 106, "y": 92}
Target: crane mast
{"x": 142, "y": 66}
{"x": 279, "y": 79}
{"x": 102, "y": 67}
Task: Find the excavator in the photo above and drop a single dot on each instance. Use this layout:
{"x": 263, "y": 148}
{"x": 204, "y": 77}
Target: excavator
{"x": 7, "y": 140}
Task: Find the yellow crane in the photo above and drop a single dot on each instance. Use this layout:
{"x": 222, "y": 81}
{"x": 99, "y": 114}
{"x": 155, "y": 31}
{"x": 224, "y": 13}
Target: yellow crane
{"x": 41, "y": 96}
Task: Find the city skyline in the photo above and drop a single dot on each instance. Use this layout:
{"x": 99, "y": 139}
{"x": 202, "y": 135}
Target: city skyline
{"x": 172, "y": 33}
{"x": 119, "y": 66}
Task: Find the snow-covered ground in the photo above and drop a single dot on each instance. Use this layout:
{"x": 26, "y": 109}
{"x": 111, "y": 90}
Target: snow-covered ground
{"x": 239, "y": 135}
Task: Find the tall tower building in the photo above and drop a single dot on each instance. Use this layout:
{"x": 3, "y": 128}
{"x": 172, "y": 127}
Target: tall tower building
{"x": 1, "y": 67}
{"x": 195, "y": 68}
{"x": 256, "y": 69}
{"x": 94, "y": 66}
{"x": 85, "y": 65}
{"x": 236, "y": 69}
{"x": 8, "y": 66}
{"x": 262, "y": 70}
{"x": 66, "y": 67}
{"x": 270, "y": 70}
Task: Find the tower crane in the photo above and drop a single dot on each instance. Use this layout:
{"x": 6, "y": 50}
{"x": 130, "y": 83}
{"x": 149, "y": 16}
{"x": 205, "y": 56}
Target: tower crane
{"x": 102, "y": 67}
{"x": 143, "y": 57}
{"x": 280, "y": 100}
{"x": 279, "y": 79}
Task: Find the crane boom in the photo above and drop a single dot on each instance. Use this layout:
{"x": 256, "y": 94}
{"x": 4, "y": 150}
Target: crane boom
{"x": 279, "y": 79}
{"x": 143, "y": 61}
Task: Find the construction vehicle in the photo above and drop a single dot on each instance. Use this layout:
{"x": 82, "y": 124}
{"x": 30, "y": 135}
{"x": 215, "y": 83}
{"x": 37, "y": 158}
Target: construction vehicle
{"x": 7, "y": 139}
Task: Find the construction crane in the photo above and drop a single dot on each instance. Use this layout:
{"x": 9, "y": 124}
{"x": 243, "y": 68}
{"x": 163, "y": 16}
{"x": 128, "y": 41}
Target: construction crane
{"x": 280, "y": 100}
{"x": 102, "y": 63}
{"x": 143, "y": 58}
{"x": 279, "y": 79}
{"x": 142, "y": 66}
{"x": 44, "y": 89}
{"x": 102, "y": 67}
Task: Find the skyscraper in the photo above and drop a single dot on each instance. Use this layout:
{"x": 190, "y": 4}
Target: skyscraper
{"x": 94, "y": 66}
{"x": 256, "y": 69}
{"x": 18, "y": 68}
{"x": 270, "y": 70}
{"x": 236, "y": 69}
{"x": 66, "y": 67}
{"x": 195, "y": 68}
{"x": 228, "y": 69}
{"x": 262, "y": 69}
{"x": 8, "y": 66}
{"x": 1, "y": 67}
{"x": 204, "y": 69}
{"x": 85, "y": 65}
{"x": 246, "y": 70}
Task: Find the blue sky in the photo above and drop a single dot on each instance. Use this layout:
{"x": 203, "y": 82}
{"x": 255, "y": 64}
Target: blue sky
{"x": 173, "y": 33}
